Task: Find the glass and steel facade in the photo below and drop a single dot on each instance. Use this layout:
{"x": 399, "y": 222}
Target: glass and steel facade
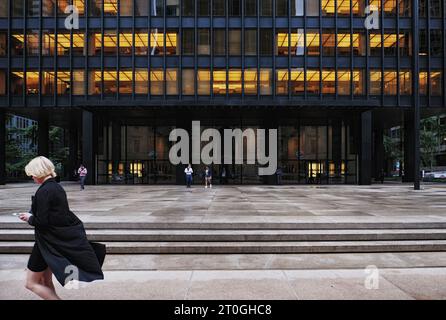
{"x": 147, "y": 56}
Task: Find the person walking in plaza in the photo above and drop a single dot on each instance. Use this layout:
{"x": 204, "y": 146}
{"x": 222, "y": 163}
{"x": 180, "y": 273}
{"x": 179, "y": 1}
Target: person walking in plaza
{"x": 207, "y": 177}
{"x": 61, "y": 246}
{"x": 82, "y": 172}
{"x": 188, "y": 171}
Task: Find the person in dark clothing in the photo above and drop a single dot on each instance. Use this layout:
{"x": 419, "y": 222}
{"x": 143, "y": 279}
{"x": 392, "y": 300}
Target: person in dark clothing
{"x": 61, "y": 246}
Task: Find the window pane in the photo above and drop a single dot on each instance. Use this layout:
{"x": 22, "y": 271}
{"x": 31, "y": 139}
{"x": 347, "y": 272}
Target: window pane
{"x": 358, "y": 83}
{"x": 110, "y": 80}
{"x": 297, "y": 81}
{"x": 204, "y": 82}
{"x": 157, "y": 82}
{"x": 78, "y": 83}
{"x": 282, "y": 77}
{"x": 3, "y": 9}
{"x": 235, "y": 7}
{"x": 48, "y": 83}
{"x": 32, "y": 42}
{"x": 125, "y": 82}
{"x": 266, "y": 82}
{"x": 48, "y": 43}
{"x": 328, "y": 44}
{"x": 266, "y": 7}
{"x": 17, "y": 45}
{"x": 188, "y": 7}
{"x": 141, "y": 8}
{"x": 250, "y": 7}
{"x": 203, "y": 7}
{"x": 157, "y": 8}
{"x": 141, "y": 81}
{"x": 390, "y": 84}
{"x": 312, "y": 42}
{"x": 188, "y": 41}
{"x": 219, "y": 79}
{"x": 266, "y": 42}
{"x": 204, "y": 42}
{"x": 188, "y": 82}
{"x": 375, "y": 82}
{"x": 33, "y": 8}
{"x": 424, "y": 83}
{"x": 436, "y": 43}
{"x": 173, "y": 8}
{"x": 235, "y": 81}
{"x": 436, "y": 8}
{"x": 125, "y": 43}
{"x": 234, "y": 42}
{"x": 3, "y": 44}
{"x": 32, "y": 83}
{"x": 312, "y": 7}
{"x": 219, "y": 7}
{"x": 17, "y": 83}
{"x": 282, "y": 8}
{"x": 250, "y": 78}
{"x": 282, "y": 41}
{"x": 405, "y": 82}
{"x": 172, "y": 81}
{"x": 63, "y": 82}
{"x": 17, "y": 8}
{"x": 313, "y": 78}
{"x": 141, "y": 43}
{"x": 436, "y": 83}
{"x": 126, "y": 8}
{"x": 219, "y": 42}
{"x": 344, "y": 82}
{"x": 48, "y": 8}
{"x": 2, "y": 83}
{"x": 297, "y": 8}
{"x": 250, "y": 42}
{"x": 329, "y": 82}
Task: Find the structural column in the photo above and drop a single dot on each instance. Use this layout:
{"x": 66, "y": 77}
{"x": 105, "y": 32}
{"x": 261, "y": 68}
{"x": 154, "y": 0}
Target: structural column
{"x": 337, "y": 146}
{"x": 43, "y": 134}
{"x": 365, "y": 163}
{"x": 185, "y": 122}
{"x": 73, "y": 149}
{"x": 87, "y": 146}
{"x": 2, "y": 147}
{"x": 378, "y": 152}
{"x": 116, "y": 146}
{"x": 409, "y": 147}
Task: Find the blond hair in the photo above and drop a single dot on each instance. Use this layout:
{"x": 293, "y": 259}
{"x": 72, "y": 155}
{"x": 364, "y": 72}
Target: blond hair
{"x": 40, "y": 167}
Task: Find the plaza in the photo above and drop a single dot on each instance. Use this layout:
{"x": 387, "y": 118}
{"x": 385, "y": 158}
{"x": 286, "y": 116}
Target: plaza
{"x": 128, "y": 217}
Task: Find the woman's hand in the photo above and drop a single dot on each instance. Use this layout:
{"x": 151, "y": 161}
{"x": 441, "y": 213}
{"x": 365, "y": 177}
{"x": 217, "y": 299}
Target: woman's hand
{"x": 24, "y": 216}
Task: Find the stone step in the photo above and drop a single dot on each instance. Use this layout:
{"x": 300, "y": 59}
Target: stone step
{"x": 164, "y": 235}
{"x": 251, "y": 247}
{"x": 297, "y": 225}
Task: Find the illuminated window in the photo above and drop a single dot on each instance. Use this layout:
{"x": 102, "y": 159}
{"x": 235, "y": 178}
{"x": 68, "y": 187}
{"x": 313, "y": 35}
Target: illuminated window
{"x": 219, "y": 82}
{"x": 389, "y": 6}
{"x": 157, "y": 39}
{"x": 172, "y": 82}
{"x": 405, "y": 82}
{"x": 405, "y": 8}
{"x": 80, "y": 5}
{"x": 266, "y": 82}
{"x": 141, "y": 81}
{"x": 282, "y": 44}
{"x": 297, "y": 81}
{"x": 358, "y": 83}
{"x": 282, "y": 77}
{"x": 312, "y": 42}
{"x": 110, "y": 7}
{"x": 204, "y": 82}
{"x": 329, "y": 82}
{"x": 405, "y": 44}
{"x": 436, "y": 85}
{"x": 95, "y": 83}
{"x": 125, "y": 82}
{"x": 346, "y": 42}
{"x": 188, "y": 82}
{"x": 375, "y": 82}
{"x": 17, "y": 44}
{"x": 63, "y": 44}
{"x": 32, "y": 43}
{"x": 49, "y": 43}
{"x": 126, "y": 43}
{"x": 110, "y": 43}
{"x": 110, "y": 82}
{"x": 17, "y": 83}
{"x": 235, "y": 81}
{"x": 141, "y": 43}
{"x": 32, "y": 82}
{"x": 329, "y": 7}
{"x": 328, "y": 44}
{"x": 297, "y": 43}
{"x": 78, "y": 82}
{"x": 157, "y": 82}
{"x": 250, "y": 78}
{"x": 389, "y": 43}
{"x": 358, "y": 7}
{"x": 313, "y": 78}
{"x": 390, "y": 84}
{"x": 344, "y": 82}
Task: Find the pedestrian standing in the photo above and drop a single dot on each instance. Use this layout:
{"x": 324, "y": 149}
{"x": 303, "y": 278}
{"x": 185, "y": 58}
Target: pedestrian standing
{"x": 82, "y": 172}
{"x": 188, "y": 171}
{"x": 207, "y": 177}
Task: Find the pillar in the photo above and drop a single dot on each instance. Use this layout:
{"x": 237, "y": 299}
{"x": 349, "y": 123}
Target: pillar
{"x": 43, "y": 134}
{"x": 185, "y": 122}
{"x": 116, "y": 146}
{"x": 2, "y": 146}
{"x": 409, "y": 148}
{"x": 73, "y": 160}
{"x": 378, "y": 152}
{"x": 337, "y": 147}
{"x": 365, "y": 163}
{"x": 87, "y": 146}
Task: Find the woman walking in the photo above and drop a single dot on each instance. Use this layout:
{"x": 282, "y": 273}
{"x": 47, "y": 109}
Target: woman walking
{"x": 82, "y": 172}
{"x": 61, "y": 246}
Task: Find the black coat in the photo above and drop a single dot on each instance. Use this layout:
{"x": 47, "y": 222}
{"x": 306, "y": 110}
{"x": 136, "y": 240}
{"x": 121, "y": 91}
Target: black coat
{"x": 61, "y": 237}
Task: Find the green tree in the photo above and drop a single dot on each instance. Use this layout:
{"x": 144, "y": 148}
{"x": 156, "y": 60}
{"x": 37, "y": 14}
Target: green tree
{"x": 432, "y": 135}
